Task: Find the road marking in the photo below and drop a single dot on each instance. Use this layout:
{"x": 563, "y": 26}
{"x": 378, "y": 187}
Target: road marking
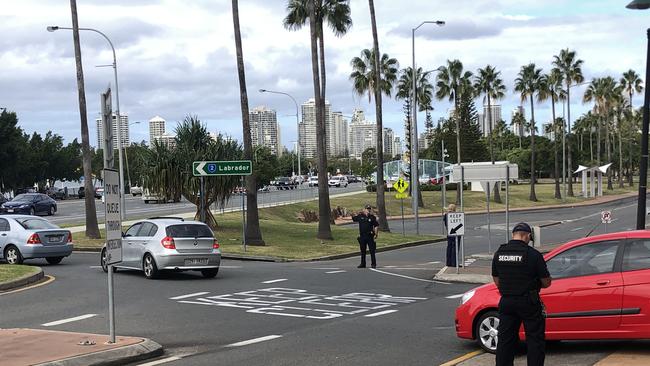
{"x": 380, "y": 313}
{"x": 577, "y": 229}
{"x": 409, "y": 277}
{"x": 95, "y": 267}
{"x": 410, "y": 268}
{"x": 462, "y": 358}
{"x": 234, "y": 267}
{"x": 426, "y": 264}
{"x": 189, "y": 295}
{"x": 49, "y": 279}
{"x": 332, "y": 272}
{"x": 454, "y": 296}
{"x": 69, "y": 320}
{"x": 159, "y": 362}
{"x": 274, "y": 281}
{"x": 254, "y": 340}
{"x": 326, "y": 268}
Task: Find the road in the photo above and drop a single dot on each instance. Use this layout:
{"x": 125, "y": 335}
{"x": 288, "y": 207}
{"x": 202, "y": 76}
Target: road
{"x": 324, "y": 313}
{"x": 72, "y": 211}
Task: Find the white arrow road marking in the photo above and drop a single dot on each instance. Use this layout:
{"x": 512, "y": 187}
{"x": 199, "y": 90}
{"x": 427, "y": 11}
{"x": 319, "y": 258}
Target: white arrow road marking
{"x": 199, "y": 168}
{"x": 160, "y": 362}
{"x": 380, "y": 313}
{"x": 254, "y": 340}
{"x": 454, "y": 296}
{"x": 189, "y": 295}
{"x": 332, "y": 272}
{"x": 69, "y": 320}
{"x": 274, "y": 281}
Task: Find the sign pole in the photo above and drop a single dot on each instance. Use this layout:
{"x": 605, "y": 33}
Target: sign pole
{"x": 457, "y": 270}
{"x": 507, "y": 202}
{"x": 488, "y": 219}
{"x": 202, "y": 199}
{"x": 111, "y": 306}
{"x": 462, "y": 186}
{"x": 243, "y": 215}
{"x": 403, "y": 230}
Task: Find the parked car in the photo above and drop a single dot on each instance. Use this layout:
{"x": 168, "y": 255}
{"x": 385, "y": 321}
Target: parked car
{"x": 136, "y": 191}
{"x": 338, "y": 181}
{"x": 313, "y": 181}
{"x": 168, "y": 243}
{"x": 600, "y": 290}
{"x": 56, "y": 193}
{"x": 99, "y": 192}
{"x": 29, "y": 204}
{"x": 27, "y": 237}
{"x": 284, "y": 183}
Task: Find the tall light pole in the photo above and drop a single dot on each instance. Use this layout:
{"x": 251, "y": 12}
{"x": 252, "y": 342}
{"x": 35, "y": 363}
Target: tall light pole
{"x": 118, "y": 119}
{"x": 414, "y": 129}
{"x": 297, "y": 118}
{"x": 643, "y": 169}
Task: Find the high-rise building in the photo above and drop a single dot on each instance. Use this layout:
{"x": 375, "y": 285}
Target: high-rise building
{"x": 167, "y": 139}
{"x": 363, "y": 134}
{"x": 265, "y": 130}
{"x": 397, "y": 146}
{"x": 156, "y": 128}
{"x": 495, "y": 111}
{"x": 518, "y": 130}
{"x": 423, "y": 142}
{"x": 124, "y": 129}
{"x": 339, "y": 134}
{"x": 307, "y": 128}
{"x": 388, "y": 138}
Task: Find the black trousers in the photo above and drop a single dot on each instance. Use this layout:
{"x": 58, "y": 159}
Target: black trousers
{"x": 367, "y": 241}
{"x": 513, "y": 310}
{"x": 451, "y": 251}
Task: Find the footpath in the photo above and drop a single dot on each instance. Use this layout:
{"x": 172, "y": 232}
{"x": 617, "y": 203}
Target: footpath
{"x": 478, "y": 270}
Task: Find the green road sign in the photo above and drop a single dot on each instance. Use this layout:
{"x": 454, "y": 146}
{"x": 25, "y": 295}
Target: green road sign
{"x": 215, "y": 168}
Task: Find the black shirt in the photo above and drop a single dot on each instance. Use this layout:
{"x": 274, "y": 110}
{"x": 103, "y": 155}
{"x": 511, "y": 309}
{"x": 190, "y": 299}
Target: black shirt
{"x": 366, "y": 223}
{"x": 519, "y": 268}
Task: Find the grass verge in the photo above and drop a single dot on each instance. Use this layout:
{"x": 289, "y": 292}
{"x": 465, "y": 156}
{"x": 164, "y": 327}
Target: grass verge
{"x": 10, "y": 272}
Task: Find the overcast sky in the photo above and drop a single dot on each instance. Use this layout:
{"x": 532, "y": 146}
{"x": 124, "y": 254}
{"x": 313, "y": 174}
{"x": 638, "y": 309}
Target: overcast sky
{"x": 178, "y": 57}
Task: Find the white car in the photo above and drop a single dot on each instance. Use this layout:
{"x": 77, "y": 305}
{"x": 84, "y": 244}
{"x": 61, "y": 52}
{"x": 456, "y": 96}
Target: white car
{"x": 313, "y": 181}
{"x": 338, "y": 181}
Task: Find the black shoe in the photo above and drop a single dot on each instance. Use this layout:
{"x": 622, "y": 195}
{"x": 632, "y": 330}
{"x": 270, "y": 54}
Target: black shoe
{"x": 361, "y": 266}
{"x": 374, "y": 266}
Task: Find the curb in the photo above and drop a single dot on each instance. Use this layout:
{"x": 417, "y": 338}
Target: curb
{"x": 118, "y": 356}
{"x": 462, "y": 277}
{"x": 23, "y": 281}
{"x": 243, "y": 257}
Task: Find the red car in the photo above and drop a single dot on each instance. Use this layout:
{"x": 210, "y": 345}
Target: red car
{"x": 600, "y": 290}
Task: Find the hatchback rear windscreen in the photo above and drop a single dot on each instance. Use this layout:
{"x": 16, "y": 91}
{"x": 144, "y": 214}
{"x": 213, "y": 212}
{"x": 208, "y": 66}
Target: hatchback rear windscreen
{"x": 189, "y": 231}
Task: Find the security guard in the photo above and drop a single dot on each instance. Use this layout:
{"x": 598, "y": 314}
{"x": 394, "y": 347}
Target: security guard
{"x": 519, "y": 271}
{"x": 368, "y": 230}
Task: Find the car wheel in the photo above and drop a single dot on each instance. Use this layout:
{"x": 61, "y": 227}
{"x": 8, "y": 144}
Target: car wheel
{"x": 103, "y": 262}
{"x": 210, "y": 273}
{"x": 13, "y": 256}
{"x": 51, "y": 211}
{"x": 149, "y": 266}
{"x": 54, "y": 260}
{"x": 486, "y": 331}
{"x": 32, "y": 211}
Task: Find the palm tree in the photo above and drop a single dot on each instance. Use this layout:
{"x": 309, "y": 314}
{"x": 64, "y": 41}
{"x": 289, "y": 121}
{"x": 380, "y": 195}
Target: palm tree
{"x": 632, "y": 83}
{"x": 518, "y": 121}
{"x": 451, "y": 82}
{"x": 527, "y": 84}
{"x": 337, "y": 15}
{"x": 571, "y": 69}
{"x": 551, "y": 88}
{"x": 92, "y": 228}
{"x": 488, "y": 82}
{"x": 620, "y": 107}
{"x": 556, "y": 128}
{"x": 363, "y": 74}
{"x": 253, "y": 234}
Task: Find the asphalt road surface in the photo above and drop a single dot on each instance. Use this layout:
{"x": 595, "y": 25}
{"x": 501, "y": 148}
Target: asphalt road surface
{"x": 324, "y": 313}
{"x": 73, "y": 211}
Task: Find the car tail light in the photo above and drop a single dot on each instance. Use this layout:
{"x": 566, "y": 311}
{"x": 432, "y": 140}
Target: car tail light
{"x": 34, "y": 239}
{"x": 69, "y": 237}
{"x": 215, "y": 244}
{"x": 168, "y": 242}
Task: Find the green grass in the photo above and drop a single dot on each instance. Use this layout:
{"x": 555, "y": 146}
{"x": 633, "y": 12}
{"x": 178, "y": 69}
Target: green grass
{"x": 10, "y": 272}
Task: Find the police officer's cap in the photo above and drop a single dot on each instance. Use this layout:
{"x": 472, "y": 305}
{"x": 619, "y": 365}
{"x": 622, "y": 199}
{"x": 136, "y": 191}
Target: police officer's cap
{"x": 522, "y": 226}
{"x": 368, "y": 207}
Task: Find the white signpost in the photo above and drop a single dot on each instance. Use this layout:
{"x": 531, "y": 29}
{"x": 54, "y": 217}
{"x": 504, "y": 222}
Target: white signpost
{"x": 113, "y": 237}
{"x": 456, "y": 227}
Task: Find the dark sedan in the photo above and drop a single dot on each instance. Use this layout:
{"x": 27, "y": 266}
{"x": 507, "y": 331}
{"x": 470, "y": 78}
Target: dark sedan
{"x": 30, "y": 204}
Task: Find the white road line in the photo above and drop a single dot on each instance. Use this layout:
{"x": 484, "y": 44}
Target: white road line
{"x": 95, "y": 267}
{"x": 274, "y": 281}
{"x": 332, "y": 272}
{"x": 410, "y": 269}
{"x": 189, "y": 295}
{"x": 426, "y": 264}
{"x": 380, "y": 313}
{"x": 409, "y": 277}
{"x": 69, "y": 320}
{"x": 326, "y": 268}
{"x": 454, "y": 296}
{"x": 254, "y": 340}
{"x": 160, "y": 362}
{"x": 577, "y": 229}
{"x": 230, "y": 266}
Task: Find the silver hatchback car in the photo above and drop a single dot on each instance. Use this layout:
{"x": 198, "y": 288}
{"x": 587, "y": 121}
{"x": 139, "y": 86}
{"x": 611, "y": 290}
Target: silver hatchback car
{"x": 168, "y": 243}
{"x": 26, "y": 237}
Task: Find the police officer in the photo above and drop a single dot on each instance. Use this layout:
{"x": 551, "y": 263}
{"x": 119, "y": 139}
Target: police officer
{"x": 519, "y": 271}
{"x": 368, "y": 230}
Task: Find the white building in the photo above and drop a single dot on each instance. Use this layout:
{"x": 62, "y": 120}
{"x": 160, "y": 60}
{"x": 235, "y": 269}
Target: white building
{"x": 363, "y": 134}
{"x": 156, "y": 128}
{"x": 483, "y": 121}
{"x": 518, "y": 130}
{"x": 397, "y": 146}
{"x": 338, "y": 134}
{"x": 265, "y": 130}
{"x": 167, "y": 139}
{"x": 307, "y": 129}
{"x": 124, "y": 128}
{"x": 388, "y": 137}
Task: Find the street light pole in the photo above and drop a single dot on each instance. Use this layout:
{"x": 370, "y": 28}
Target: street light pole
{"x": 414, "y": 131}
{"x": 117, "y": 112}
{"x": 297, "y": 118}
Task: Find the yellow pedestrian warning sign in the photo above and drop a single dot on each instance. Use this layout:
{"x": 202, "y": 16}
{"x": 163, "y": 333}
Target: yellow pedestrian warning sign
{"x": 401, "y": 185}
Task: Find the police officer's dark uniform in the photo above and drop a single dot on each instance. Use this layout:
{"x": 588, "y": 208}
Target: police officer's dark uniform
{"x": 519, "y": 269}
{"x": 367, "y": 224}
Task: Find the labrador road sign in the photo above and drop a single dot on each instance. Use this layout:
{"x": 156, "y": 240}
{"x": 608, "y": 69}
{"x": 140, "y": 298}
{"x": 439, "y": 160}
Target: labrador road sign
{"x": 112, "y": 212}
{"x": 216, "y": 168}
{"x": 456, "y": 223}
{"x": 401, "y": 185}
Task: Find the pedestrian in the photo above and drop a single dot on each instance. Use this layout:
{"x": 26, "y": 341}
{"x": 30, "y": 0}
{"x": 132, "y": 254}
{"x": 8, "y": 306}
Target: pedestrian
{"x": 520, "y": 272}
{"x": 368, "y": 230}
{"x": 451, "y": 240}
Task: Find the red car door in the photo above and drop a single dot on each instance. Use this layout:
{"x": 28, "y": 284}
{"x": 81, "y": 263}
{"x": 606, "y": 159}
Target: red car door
{"x": 636, "y": 288}
{"x": 586, "y": 295}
